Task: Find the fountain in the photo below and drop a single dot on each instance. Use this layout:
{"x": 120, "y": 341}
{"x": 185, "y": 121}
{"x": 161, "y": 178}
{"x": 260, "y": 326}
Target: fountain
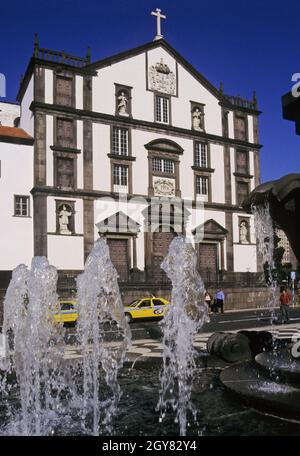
{"x": 186, "y": 316}
{"x": 41, "y": 392}
{"x": 272, "y": 380}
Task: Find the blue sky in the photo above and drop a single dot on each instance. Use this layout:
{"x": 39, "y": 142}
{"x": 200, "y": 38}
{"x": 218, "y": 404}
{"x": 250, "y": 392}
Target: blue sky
{"x": 246, "y": 44}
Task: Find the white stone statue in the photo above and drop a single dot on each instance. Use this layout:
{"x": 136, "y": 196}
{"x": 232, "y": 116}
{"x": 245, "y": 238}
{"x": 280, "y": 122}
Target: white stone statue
{"x": 244, "y": 233}
{"x": 197, "y": 119}
{"x": 123, "y": 104}
{"x": 64, "y": 221}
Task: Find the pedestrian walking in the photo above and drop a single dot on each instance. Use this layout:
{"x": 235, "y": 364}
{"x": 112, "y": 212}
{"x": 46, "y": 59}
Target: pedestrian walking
{"x": 208, "y": 301}
{"x": 219, "y": 300}
{"x": 285, "y": 300}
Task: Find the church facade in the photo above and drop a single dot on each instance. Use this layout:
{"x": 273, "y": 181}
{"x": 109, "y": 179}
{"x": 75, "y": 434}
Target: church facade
{"x": 137, "y": 148}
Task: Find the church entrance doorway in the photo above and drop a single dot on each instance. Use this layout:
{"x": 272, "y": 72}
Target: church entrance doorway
{"x": 160, "y": 246}
{"x": 208, "y": 261}
{"x": 118, "y": 249}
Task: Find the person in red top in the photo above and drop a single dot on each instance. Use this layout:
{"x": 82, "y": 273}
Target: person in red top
{"x": 285, "y": 300}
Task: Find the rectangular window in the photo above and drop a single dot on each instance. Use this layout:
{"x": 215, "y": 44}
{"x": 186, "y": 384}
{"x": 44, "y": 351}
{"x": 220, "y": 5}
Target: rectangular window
{"x": 240, "y": 128}
{"x": 65, "y": 133}
{"x": 242, "y": 161}
{"x": 162, "y": 109}
{"x": 242, "y": 192}
{"x": 21, "y": 206}
{"x": 163, "y": 165}
{"x": 201, "y": 155}
{"x": 120, "y": 141}
{"x": 202, "y": 186}
{"x": 64, "y": 91}
{"x": 120, "y": 175}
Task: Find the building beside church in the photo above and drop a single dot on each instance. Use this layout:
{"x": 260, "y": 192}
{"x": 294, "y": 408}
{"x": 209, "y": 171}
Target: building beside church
{"x": 137, "y": 147}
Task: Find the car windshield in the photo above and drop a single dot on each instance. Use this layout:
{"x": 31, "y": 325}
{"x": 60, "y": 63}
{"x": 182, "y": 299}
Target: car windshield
{"x": 134, "y": 303}
{"x": 67, "y": 306}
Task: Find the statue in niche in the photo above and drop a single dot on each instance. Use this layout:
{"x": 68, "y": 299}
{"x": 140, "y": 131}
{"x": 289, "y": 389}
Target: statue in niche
{"x": 123, "y": 104}
{"x": 198, "y": 119}
{"x": 244, "y": 233}
{"x": 63, "y": 218}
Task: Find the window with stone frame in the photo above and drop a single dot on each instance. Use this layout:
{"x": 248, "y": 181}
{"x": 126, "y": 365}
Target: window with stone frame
{"x": 201, "y": 154}
{"x": 242, "y": 190}
{"x": 64, "y": 90}
{"x": 120, "y": 141}
{"x": 240, "y": 127}
{"x": 162, "y": 109}
{"x": 242, "y": 161}
{"x": 163, "y": 166}
{"x": 120, "y": 175}
{"x": 21, "y": 206}
{"x": 65, "y": 172}
{"x": 65, "y": 135}
{"x": 202, "y": 186}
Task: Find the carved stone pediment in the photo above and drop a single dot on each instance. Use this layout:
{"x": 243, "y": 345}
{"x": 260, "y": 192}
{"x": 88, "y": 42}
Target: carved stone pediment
{"x": 162, "y": 79}
{"x": 211, "y": 230}
{"x": 118, "y": 223}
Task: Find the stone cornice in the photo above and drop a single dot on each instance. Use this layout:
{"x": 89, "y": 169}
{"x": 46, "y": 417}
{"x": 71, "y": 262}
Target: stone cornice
{"x": 142, "y": 124}
{"x": 94, "y": 194}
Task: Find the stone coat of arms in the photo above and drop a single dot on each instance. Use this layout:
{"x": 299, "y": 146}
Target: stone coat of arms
{"x": 162, "y": 79}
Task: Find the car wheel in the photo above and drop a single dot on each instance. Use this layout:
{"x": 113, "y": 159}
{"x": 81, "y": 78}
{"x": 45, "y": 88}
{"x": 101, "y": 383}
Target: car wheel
{"x": 128, "y": 317}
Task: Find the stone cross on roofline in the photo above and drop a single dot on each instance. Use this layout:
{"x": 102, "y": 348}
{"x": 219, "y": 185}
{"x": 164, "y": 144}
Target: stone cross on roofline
{"x": 159, "y": 16}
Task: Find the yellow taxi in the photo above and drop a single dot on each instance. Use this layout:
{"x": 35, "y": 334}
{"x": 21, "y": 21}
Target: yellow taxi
{"x": 147, "y": 308}
{"x": 68, "y": 313}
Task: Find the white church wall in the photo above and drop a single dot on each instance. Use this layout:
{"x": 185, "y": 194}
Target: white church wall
{"x": 8, "y": 113}
{"x": 66, "y": 252}
{"x": 79, "y": 92}
{"x": 250, "y": 129}
{"x": 48, "y": 86}
{"x": 217, "y": 177}
{"x": 244, "y": 258}
{"x": 80, "y": 156}
{"x": 49, "y": 152}
{"x": 251, "y": 170}
{"x": 16, "y": 233}
{"x": 232, "y": 166}
{"x": 230, "y": 125}
{"x": 26, "y": 120}
{"x": 101, "y": 162}
{"x": 190, "y": 89}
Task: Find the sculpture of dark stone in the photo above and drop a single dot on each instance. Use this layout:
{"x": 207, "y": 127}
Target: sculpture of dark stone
{"x": 283, "y": 196}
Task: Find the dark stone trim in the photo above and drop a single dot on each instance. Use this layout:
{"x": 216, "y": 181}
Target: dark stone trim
{"x": 247, "y": 176}
{"x": 164, "y": 145}
{"x": 40, "y": 149}
{"x": 49, "y": 65}
{"x": 71, "y": 156}
{"x": 88, "y": 154}
{"x": 69, "y": 150}
{"x": 40, "y": 224}
{"x": 68, "y": 235}
{"x": 240, "y": 108}
{"x": 239, "y": 113}
{"x": 229, "y": 241}
{"x": 142, "y": 124}
{"x": 14, "y": 140}
{"x": 200, "y": 169}
{"x": 122, "y": 157}
{"x": 95, "y": 194}
{"x": 255, "y": 129}
{"x": 88, "y": 226}
{"x": 227, "y": 175}
{"x": 87, "y": 93}
{"x": 256, "y": 160}
{"x": 39, "y": 84}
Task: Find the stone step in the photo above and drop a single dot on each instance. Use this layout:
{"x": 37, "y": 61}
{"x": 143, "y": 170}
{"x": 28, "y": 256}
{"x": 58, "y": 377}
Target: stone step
{"x": 248, "y": 382}
{"x": 280, "y": 366}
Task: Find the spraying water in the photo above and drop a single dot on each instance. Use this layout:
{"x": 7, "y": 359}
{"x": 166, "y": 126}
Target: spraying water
{"x": 99, "y": 301}
{"x": 186, "y": 316}
{"x": 36, "y": 346}
{"x": 265, "y": 237}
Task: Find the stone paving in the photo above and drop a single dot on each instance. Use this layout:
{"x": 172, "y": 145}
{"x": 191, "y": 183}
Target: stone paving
{"x": 150, "y": 349}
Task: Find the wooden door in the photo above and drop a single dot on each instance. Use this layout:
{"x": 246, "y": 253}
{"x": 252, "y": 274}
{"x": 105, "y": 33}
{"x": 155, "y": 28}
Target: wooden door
{"x": 118, "y": 249}
{"x": 208, "y": 261}
{"x": 160, "y": 248}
